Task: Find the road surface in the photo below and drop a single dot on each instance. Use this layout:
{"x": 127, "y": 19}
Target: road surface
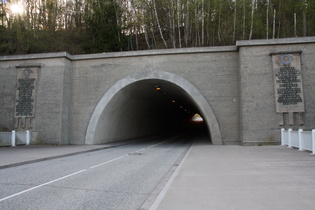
{"x": 116, "y": 178}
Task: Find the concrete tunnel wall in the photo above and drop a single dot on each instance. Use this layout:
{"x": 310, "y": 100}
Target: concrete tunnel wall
{"x": 70, "y": 89}
{"x": 132, "y": 103}
{"x": 75, "y": 94}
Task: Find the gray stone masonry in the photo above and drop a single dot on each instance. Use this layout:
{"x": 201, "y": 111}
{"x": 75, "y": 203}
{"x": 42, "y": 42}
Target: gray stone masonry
{"x": 231, "y": 87}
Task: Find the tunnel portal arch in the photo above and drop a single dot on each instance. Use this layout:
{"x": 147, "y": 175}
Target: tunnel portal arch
{"x": 106, "y": 107}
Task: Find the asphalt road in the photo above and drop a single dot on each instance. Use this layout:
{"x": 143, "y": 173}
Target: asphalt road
{"x": 116, "y": 178}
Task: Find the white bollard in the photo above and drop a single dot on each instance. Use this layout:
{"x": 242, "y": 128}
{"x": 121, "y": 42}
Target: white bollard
{"x": 313, "y": 141}
{"x": 13, "y": 138}
{"x": 282, "y": 136}
{"x": 28, "y": 137}
{"x": 301, "y": 140}
{"x": 289, "y": 137}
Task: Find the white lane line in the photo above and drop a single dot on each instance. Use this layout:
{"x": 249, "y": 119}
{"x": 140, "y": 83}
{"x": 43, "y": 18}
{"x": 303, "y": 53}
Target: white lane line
{"x": 112, "y": 160}
{"x": 157, "y": 144}
{"x": 108, "y": 161}
{"x": 41, "y": 185}
{"x": 167, "y": 186}
{"x": 64, "y": 177}
{"x": 141, "y": 150}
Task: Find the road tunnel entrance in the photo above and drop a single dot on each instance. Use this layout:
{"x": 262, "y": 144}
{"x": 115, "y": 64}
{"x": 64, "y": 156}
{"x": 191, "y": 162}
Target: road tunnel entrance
{"x": 151, "y": 103}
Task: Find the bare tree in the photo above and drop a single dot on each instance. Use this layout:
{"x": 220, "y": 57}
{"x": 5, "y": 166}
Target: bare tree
{"x": 179, "y": 23}
{"x": 234, "y": 23}
{"x": 252, "y": 20}
{"x": 172, "y": 23}
{"x": 295, "y": 24}
{"x": 202, "y": 23}
{"x": 219, "y": 25}
{"x": 158, "y": 23}
{"x": 274, "y": 24}
{"x": 244, "y": 18}
{"x": 187, "y": 23}
{"x": 267, "y": 19}
{"x": 304, "y": 18}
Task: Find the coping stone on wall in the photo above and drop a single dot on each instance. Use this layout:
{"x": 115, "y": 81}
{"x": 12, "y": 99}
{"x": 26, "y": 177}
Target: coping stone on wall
{"x": 36, "y": 56}
{"x": 242, "y": 43}
{"x": 282, "y": 41}
{"x": 120, "y": 54}
{"x": 156, "y": 52}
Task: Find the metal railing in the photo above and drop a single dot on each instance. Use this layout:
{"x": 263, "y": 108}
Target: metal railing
{"x": 15, "y": 138}
{"x": 304, "y": 140}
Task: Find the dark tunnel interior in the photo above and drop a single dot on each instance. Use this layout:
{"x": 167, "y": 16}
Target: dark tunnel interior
{"x": 149, "y": 107}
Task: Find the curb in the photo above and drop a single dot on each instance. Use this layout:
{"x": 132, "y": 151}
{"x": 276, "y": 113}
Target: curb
{"x": 62, "y": 155}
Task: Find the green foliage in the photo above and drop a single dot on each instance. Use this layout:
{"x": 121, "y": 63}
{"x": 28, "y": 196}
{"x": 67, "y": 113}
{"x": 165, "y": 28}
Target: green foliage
{"x": 20, "y": 41}
{"x": 95, "y": 26}
{"x": 103, "y": 31}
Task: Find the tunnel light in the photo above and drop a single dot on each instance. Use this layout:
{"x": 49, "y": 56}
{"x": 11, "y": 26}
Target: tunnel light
{"x": 173, "y": 101}
{"x": 197, "y": 118}
{"x": 157, "y": 87}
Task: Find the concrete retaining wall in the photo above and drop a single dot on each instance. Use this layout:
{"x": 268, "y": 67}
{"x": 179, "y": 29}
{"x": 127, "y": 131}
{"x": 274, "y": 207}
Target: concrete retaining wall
{"x": 236, "y": 82}
{"x": 214, "y": 74}
{"x": 259, "y": 121}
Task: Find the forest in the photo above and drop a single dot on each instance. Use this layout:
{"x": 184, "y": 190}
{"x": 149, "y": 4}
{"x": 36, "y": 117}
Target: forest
{"x": 95, "y": 26}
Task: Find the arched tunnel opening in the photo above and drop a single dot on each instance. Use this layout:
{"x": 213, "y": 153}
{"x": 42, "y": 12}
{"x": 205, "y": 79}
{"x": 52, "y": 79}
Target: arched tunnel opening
{"x": 149, "y": 107}
{"x": 148, "y": 104}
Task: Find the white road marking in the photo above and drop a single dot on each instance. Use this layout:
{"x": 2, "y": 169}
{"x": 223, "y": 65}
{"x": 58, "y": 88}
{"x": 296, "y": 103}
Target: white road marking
{"x": 167, "y": 186}
{"x": 130, "y": 153}
{"x": 158, "y": 143}
{"x": 41, "y": 185}
{"x": 112, "y": 160}
{"x": 64, "y": 177}
{"x": 152, "y": 145}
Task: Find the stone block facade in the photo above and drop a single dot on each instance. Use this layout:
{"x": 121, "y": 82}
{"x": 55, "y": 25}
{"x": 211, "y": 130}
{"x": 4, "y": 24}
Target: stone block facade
{"x": 232, "y": 88}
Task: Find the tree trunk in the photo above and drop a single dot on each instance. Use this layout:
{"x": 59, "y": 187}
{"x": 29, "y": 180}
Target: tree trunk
{"x": 172, "y": 24}
{"x": 208, "y": 26}
{"x": 267, "y": 20}
{"x": 179, "y": 23}
{"x": 234, "y": 24}
{"x": 252, "y": 20}
{"x": 295, "y": 24}
{"x": 197, "y": 41}
{"x": 135, "y": 23}
{"x": 304, "y": 19}
{"x": 202, "y": 23}
{"x": 136, "y": 33}
{"x": 279, "y": 24}
{"x": 219, "y": 25}
{"x": 274, "y": 24}
{"x": 158, "y": 22}
{"x": 118, "y": 25}
{"x": 146, "y": 36}
{"x": 244, "y": 17}
{"x": 153, "y": 39}
{"x": 186, "y": 34}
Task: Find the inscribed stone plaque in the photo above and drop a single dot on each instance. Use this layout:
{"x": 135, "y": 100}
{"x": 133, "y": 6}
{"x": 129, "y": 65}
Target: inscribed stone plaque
{"x": 25, "y": 92}
{"x": 288, "y": 84}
